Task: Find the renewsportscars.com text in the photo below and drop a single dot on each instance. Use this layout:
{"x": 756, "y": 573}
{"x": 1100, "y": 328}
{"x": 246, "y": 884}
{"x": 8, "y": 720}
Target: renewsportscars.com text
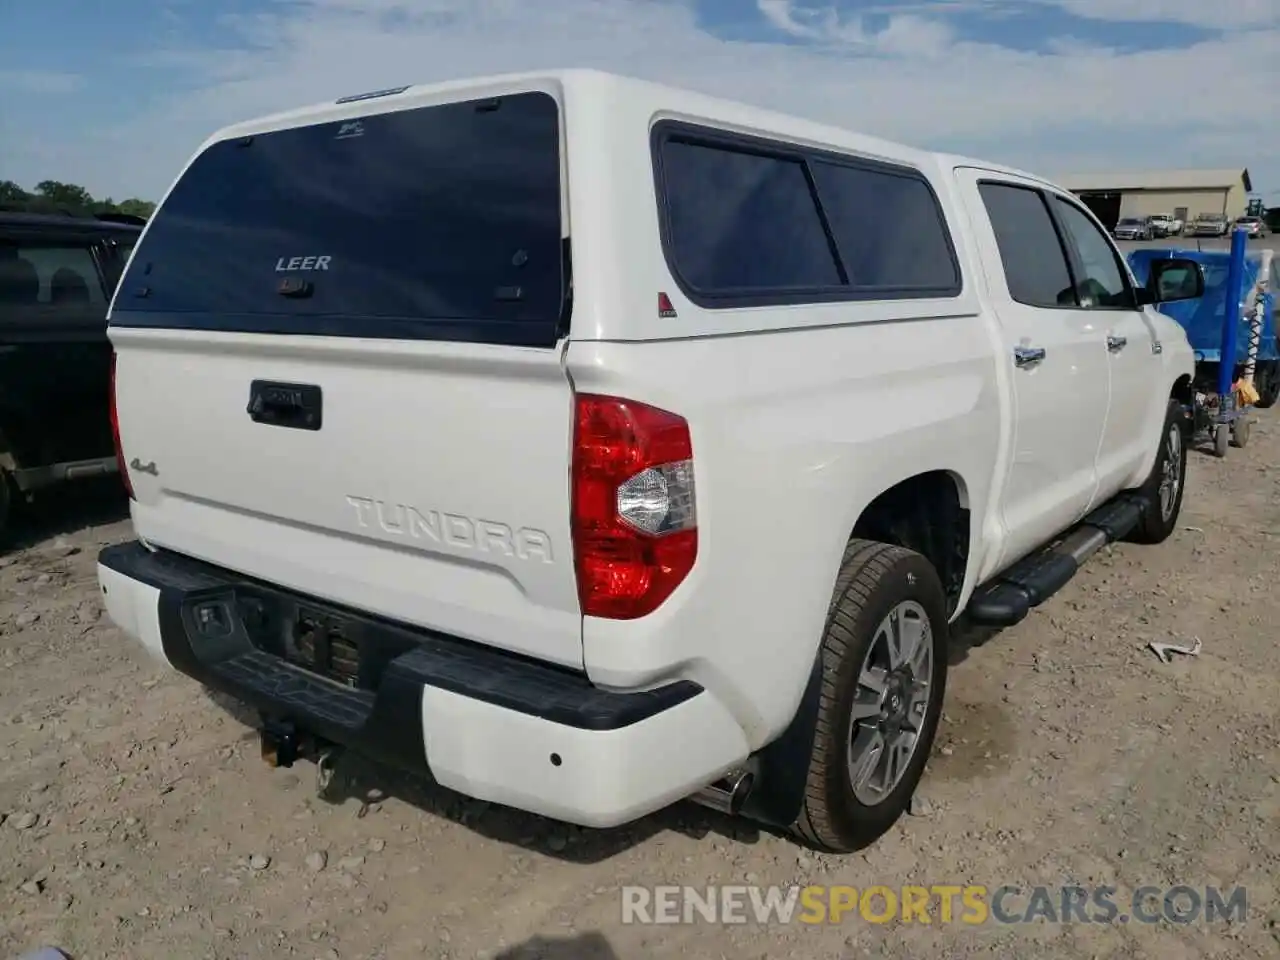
{"x": 971, "y": 904}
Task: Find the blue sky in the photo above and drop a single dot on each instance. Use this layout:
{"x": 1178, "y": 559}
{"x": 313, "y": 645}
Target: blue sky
{"x": 116, "y": 97}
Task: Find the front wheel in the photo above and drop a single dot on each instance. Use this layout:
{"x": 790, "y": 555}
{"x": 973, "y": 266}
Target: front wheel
{"x": 1162, "y": 492}
{"x": 884, "y": 668}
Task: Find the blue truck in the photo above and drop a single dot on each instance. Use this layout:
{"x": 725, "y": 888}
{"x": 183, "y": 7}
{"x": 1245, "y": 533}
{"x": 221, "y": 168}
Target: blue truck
{"x": 1203, "y": 317}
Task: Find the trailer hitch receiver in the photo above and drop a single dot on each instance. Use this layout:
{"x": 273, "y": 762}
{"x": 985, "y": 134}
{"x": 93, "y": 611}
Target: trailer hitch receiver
{"x": 280, "y": 743}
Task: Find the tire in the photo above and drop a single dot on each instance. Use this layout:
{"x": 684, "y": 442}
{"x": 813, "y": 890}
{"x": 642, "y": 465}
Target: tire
{"x": 6, "y": 506}
{"x": 875, "y": 581}
{"x": 1240, "y": 428}
{"x": 1268, "y": 385}
{"x": 1221, "y": 440}
{"x": 1159, "y": 516}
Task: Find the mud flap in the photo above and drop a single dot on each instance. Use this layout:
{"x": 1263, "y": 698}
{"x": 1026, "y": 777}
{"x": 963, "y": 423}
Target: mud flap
{"x": 782, "y": 767}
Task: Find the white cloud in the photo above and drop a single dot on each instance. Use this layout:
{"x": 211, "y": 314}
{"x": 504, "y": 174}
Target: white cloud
{"x": 905, "y": 34}
{"x": 1222, "y": 15}
{"x": 912, "y": 81}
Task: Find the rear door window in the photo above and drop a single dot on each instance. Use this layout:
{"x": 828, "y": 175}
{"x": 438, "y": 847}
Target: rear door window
{"x": 438, "y": 222}
{"x": 49, "y": 279}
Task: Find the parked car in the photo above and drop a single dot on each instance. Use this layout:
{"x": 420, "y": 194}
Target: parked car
{"x": 1133, "y": 228}
{"x": 1164, "y": 225}
{"x": 1254, "y": 227}
{"x": 57, "y": 274}
{"x": 1209, "y": 225}
{"x": 612, "y": 341}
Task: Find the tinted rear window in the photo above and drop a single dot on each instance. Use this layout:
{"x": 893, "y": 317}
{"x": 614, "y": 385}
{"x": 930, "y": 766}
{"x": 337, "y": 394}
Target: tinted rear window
{"x": 750, "y": 221}
{"x": 438, "y": 222}
{"x": 889, "y": 228}
{"x": 49, "y": 282}
{"x": 743, "y": 221}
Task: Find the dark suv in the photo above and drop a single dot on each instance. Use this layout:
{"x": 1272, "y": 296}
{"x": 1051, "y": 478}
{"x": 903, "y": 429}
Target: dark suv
{"x": 57, "y": 274}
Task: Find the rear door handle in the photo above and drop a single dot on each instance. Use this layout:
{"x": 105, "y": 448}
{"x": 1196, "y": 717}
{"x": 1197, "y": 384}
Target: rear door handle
{"x": 297, "y": 406}
{"x": 1116, "y": 344}
{"x": 1028, "y": 356}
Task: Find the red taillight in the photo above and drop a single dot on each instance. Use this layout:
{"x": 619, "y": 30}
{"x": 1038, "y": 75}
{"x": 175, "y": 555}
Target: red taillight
{"x": 635, "y": 532}
{"x": 115, "y": 431}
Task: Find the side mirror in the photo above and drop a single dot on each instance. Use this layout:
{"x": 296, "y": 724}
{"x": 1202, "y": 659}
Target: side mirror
{"x": 1172, "y": 280}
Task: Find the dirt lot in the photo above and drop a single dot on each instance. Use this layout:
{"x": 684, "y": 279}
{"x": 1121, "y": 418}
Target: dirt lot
{"x": 140, "y": 822}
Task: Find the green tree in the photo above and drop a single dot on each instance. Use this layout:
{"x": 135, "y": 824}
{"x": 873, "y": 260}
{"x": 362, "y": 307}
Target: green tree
{"x": 53, "y": 196}
{"x": 10, "y": 192}
{"x": 135, "y": 207}
{"x": 71, "y": 196}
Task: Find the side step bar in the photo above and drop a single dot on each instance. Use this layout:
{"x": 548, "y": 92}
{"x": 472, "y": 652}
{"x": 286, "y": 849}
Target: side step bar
{"x": 1008, "y": 598}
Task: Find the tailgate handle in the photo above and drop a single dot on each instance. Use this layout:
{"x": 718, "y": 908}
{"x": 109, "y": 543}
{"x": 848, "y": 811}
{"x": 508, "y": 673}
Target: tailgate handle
{"x": 293, "y": 405}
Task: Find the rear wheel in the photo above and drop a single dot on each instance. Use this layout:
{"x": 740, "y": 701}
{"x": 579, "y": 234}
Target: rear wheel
{"x": 883, "y": 679}
{"x": 1162, "y": 492}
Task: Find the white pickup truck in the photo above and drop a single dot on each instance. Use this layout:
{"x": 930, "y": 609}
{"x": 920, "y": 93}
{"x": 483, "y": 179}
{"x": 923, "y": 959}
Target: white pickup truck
{"x": 1165, "y": 225}
{"x": 592, "y": 445}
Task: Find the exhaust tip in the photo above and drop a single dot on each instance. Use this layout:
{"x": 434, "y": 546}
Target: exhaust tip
{"x": 741, "y": 791}
{"x": 728, "y": 794}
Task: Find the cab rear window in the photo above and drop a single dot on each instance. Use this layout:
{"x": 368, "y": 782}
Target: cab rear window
{"x": 439, "y": 222}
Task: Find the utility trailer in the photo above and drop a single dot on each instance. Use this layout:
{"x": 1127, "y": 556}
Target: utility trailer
{"x": 1241, "y": 285}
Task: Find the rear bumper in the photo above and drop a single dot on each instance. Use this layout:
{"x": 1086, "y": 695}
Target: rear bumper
{"x": 487, "y": 724}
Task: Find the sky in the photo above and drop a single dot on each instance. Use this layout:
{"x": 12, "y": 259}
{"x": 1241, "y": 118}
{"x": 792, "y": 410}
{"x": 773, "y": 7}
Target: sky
{"x": 117, "y": 96}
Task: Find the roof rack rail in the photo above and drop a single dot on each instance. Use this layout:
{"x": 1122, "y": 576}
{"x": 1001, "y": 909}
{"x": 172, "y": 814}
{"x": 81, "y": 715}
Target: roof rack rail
{"x": 127, "y": 218}
{"x": 38, "y": 207}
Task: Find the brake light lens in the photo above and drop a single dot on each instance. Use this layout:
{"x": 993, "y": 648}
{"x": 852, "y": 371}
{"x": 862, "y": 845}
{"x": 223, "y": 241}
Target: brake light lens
{"x": 635, "y": 530}
{"x": 115, "y": 432}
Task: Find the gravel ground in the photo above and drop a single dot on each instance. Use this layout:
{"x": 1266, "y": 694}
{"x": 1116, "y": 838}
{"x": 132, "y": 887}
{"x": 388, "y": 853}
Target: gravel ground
{"x": 137, "y": 820}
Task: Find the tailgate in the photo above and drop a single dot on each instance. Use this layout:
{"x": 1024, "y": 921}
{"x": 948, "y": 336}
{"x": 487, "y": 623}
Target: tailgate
{"x": 338, "y": 368}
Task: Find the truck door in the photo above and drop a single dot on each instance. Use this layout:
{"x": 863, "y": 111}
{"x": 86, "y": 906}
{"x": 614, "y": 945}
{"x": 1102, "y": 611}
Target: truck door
{"x": 1106, "y": 289}
{"x": 55, "y": 358}
{"x": 1057, "y": 357}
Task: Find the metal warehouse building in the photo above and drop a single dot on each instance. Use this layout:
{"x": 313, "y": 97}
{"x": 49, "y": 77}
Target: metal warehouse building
{"x": 1181, "y": 193}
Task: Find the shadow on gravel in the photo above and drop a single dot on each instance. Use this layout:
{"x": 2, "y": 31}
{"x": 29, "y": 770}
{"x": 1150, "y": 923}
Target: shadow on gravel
{"x": 365, "y": 784}
{"x": 587, "y": 946}
{"x": 966, "y": 636}
{"x": 65, "y": 509}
